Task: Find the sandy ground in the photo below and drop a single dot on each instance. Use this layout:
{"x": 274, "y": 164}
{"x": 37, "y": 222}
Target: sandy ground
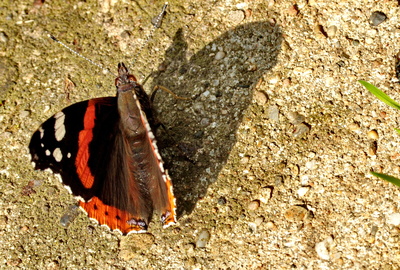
{"x": 276, "y": 131}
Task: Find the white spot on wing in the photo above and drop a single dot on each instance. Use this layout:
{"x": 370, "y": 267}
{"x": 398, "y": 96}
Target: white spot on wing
{"x": 118, "y": 231}
{"x": 59, "y": 126}
{"x": 41, "y": 130}
{"x": 47, "y": 152}
{"x": 157, "y": 154}
{"x": 69, "y": 189}
{"x": 133, "y": 231}
{"x": 79, "y": 198}
{"x": 105, "y": 226}
{"x": 68, "y": 155}
{"x": 57, "y": 154}
{"x": 58, "y": 176}
{"x": 161, "y": 167}
{"x": 93, "y": 219}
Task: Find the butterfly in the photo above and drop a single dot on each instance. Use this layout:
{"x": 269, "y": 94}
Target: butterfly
{"x": 106, "y": 154}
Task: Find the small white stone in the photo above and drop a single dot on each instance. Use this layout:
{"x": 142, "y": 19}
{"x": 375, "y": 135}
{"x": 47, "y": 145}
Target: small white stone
{"x": 274, "y": 79}
{"x": 219, "y": 55}
{"x": 331, "y": 31}
{"x": 241, "y": 5}
{"x": 369, "y": 40}
{"x": 311, "y": 165}
{"x": 394, "y": 219}
{"x": 265, "y": 195}
{"x": 204, "y": 237}
{"x": 322, "y": 250}
{"x": 302, "y": 191}
{"x": 206, "y": 93}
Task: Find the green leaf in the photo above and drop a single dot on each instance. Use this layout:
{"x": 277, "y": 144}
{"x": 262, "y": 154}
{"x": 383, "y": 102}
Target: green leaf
{"x": 398, "y": 130}
{"x": 379, "y": 94}
{"x": 388, "y": 178}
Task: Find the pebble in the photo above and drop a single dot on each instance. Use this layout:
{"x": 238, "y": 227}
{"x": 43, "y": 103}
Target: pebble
{"x": 295, "y": 118}
{"x": 331, "y": 31}
{"x": 394, "y": 219}
{"x": 319, "y": 31}
{"x": 162, "y": 67}
{"x": 204, "y": 237}
{"x": 274, "y": 79}
{"x": 69, "y": 216}
{"x": 248, "y": 12}
{"x": 252, "y": 226}
{"x": 190, "y": 247}
{"x": 24, "y": 228}
{"x": 265, "y": 194}
{"x": 260, "y": 98}
{"x": 258, "y": 220}
{"x": 302, "y": 191}
{"x": 273, "y": 113}
{"x": 198, "y": 107}
{"x": 205, "y": 122}
{"x": 369, "y": 40}
{"x": 377, "y": 17}
{"x": 354, "y": 127}
{"x": 24, "y": 114}
{"x": 322, "y": 248}
{"x": 301, "y": 130}
{"x": 279, "y": 180}
{"x": 311, "y": 165}
{"x": 293, "y": 10}
{"x": 271, "y": 225}
{"x": 253, "y": 205}
{"x": 236, "y": 16}
{"x": 296, "y": 213}
{"x": 3, "y": 37}
{"x": 245, "y": 160}
{"x": 373, "y": 134}
{"x": 286, "y": 82}
{"x": 219, "y": 55}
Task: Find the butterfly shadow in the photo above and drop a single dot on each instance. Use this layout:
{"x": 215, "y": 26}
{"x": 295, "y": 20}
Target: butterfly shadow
{"x": 220, "y": 80}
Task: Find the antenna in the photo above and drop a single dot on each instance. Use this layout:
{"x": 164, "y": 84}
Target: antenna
{"x": 156, "y": 21}
{"x": 80, "y": 55}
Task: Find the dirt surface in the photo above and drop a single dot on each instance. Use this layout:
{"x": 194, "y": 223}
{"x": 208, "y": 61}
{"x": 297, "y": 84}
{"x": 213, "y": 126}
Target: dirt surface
{"x": 270, "y": 157}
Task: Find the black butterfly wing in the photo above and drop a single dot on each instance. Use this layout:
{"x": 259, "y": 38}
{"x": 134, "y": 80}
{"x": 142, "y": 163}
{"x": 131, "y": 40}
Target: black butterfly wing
{"x": 84, "y": 145}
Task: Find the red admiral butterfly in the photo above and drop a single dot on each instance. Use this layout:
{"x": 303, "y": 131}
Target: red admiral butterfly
{"x": 107, "y": 156}
{"x": 106, "y": 153}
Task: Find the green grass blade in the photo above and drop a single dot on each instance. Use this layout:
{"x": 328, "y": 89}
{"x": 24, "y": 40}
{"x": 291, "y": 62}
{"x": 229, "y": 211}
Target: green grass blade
{"x": 388, "y": 178}
{"x": 398, "y": 130}
{"x": 379, "y": 94}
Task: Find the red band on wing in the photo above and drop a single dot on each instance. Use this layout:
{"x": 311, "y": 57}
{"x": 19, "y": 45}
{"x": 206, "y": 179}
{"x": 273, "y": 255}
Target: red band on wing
{"x": 114, "y": 218}
{"x": 85, "y": 137}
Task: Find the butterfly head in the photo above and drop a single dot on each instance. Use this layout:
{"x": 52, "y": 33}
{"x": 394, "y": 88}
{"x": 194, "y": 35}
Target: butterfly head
{"x": 125, "y": 82}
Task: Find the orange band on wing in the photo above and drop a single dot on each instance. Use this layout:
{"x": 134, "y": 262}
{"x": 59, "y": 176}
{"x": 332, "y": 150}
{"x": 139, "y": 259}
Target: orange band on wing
{"x": 85, "y": 137}
{"x": 113, "y": 217}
